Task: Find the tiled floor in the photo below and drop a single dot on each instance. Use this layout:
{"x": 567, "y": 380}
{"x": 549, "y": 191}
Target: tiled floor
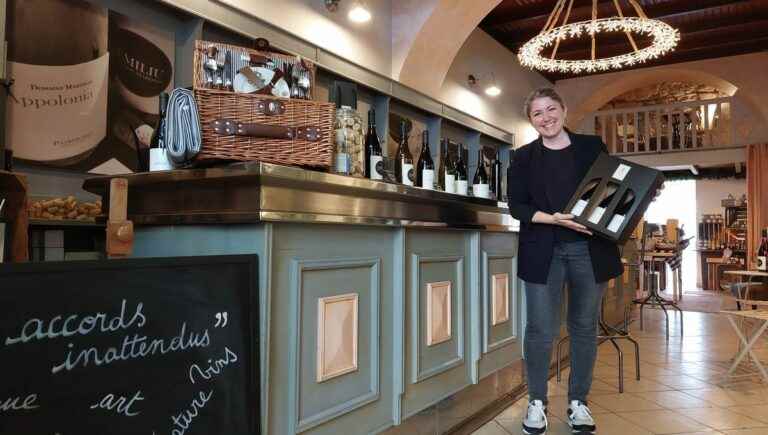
{"x": 681, "y": 390}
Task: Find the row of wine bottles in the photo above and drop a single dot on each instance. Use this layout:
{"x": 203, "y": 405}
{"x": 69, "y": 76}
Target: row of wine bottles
{"x": 602, "y": 202}
{"x": 450, "y": 177}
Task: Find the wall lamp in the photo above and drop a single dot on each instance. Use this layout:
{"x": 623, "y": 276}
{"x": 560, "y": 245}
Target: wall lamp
{"x": 491, "y": 88}
{"x": 357, "y": 12}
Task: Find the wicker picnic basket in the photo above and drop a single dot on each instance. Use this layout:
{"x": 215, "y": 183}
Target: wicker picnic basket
{"x": 214, "y": 105}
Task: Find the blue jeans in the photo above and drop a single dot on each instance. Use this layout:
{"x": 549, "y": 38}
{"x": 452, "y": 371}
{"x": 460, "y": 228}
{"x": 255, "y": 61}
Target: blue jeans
{"x": 571, "y": 263}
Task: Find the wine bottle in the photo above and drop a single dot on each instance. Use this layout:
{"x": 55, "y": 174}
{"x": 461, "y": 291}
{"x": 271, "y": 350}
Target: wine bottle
{"x": 158, "y": 156}
{"x": 496, "y": 177}
{"x": 58, "y": 58}
{"x": 404, "y": 159}
{"x": 441, "y": 167}
{"x": 374, "y": 165}
{"x": 425, "y": 169}
{"x": 506, "y": 179}
{"x": 450, "y": 171}
{"x": 606, "y": 196}
{"x": 762, "y": 252}
{"x": 625, "y": 205}
{"x": 480, "y": 185}
{"x": 462, "y": 180}
{"x": 586, "y": 195}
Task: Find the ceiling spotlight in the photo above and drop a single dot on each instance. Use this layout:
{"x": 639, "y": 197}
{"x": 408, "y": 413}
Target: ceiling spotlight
{"x": 493, "y": 91}
{"x": 359, "y": 13}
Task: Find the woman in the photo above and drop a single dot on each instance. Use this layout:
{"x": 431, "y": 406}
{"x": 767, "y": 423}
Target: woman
{"x": 554, "y": 250}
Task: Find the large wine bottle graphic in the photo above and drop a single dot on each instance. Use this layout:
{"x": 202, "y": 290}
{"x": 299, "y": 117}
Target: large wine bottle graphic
{"x": 58, "y": 59}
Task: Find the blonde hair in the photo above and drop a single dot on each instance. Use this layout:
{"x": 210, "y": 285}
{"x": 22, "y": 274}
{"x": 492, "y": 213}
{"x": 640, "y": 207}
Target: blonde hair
{"x": 541, "y": 93}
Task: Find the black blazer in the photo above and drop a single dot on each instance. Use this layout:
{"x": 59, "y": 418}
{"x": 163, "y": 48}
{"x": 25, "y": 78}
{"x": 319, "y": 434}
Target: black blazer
{"x": 527, "y": 193}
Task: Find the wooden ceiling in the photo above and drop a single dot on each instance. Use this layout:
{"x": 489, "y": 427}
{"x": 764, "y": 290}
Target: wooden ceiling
{"x": 708, "y": 28}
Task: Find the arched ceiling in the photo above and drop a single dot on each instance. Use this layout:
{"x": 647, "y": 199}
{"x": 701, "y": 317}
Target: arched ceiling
{"x": 435, "y": 44}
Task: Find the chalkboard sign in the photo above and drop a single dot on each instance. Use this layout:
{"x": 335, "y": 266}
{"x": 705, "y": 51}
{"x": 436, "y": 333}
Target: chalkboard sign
{"x": 139, "y": 347}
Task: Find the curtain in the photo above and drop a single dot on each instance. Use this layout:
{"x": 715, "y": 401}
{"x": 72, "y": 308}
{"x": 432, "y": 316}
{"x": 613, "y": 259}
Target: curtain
{"x": 757, "y": 197}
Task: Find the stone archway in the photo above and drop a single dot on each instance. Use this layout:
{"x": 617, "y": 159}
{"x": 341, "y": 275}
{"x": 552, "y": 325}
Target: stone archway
{"x": 641, "y": 79}
{"x": 428, "y": 54}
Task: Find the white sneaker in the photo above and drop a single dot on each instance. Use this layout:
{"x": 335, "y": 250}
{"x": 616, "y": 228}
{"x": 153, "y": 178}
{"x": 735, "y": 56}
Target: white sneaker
{"x": 535, "y": 422}
{"x": 580, "y": 418}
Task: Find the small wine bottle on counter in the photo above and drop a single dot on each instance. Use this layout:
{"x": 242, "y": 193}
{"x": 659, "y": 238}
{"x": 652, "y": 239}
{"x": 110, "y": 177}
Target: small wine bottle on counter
{"x": 404, "y": 159}
{"x": 762, "y": 252}
{"x": 480, "y": 185}
{"x": 496, "y": 177}
{"x": 461, "y": 172}
{"x": 441, "y": 167}
{"x": 450, "y": 172}
{"x": 374, "y": 166}
{"x": 425, "y": 169}
{"x": 158, "y": 155}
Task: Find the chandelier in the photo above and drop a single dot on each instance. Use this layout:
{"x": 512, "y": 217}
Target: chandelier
{"x": 664, "y": 39}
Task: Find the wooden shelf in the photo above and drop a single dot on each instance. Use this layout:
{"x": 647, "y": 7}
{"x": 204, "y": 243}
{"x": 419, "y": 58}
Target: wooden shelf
{"x": 64, "y": 223}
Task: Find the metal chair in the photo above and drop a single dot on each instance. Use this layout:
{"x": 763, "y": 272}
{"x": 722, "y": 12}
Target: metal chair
{"x": 611, "y": 334}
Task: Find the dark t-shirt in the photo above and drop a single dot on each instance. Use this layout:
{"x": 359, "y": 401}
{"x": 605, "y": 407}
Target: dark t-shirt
{"x": 562, "y": 182}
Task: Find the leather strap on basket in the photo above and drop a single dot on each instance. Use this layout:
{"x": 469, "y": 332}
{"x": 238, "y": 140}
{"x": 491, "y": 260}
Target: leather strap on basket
{"x": 226, "y": 127}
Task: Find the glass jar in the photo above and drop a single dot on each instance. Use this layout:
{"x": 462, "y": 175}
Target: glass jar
{"x": 349, "y": 139}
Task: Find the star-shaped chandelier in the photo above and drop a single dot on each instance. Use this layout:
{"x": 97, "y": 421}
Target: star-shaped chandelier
{"x": 664, "y": 39}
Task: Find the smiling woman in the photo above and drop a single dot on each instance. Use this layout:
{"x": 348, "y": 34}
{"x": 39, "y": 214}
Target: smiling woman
{"x": 554, "y": 250}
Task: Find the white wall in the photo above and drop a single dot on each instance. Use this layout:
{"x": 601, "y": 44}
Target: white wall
{"x": 380, "y": 46}
{"x": 479, "y": 56}
{"x": 709, "y": 193}
{"x": 366, "y": 44}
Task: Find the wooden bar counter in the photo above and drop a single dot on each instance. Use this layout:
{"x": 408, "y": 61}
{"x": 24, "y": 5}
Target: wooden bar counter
{"x": 382, "y": 308}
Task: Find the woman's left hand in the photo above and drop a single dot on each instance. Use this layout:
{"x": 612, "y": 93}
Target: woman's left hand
{"x": 566, "y": 220}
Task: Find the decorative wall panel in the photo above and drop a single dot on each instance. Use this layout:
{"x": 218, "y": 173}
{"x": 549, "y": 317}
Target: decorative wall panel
{"x": 499, "y": 298}
{"x": 438, "y": 312}
{"x": 337, "y": 330}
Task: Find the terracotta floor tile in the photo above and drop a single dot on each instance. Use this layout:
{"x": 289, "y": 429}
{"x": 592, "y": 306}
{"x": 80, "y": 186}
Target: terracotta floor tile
{"x": 756, "y": 412}
{"x": 663, "y": 421}
{"x": 674, "y": 400}
{"x": 624, "y": 402}
{"x": 720, "y": 418}
{"x": 491, "y": 428}
{"x": 688, "y": 372}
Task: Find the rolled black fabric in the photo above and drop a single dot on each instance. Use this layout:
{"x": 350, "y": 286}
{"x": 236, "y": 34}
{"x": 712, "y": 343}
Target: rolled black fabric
{"x": 182, "y": 126}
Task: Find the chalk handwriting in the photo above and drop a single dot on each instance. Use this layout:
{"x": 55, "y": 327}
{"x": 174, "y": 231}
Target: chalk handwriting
{"x": 121, "y": 404}
{"x": 19, "y": 404}
{"x": 133, "y": 347}
{"x": 214, "y": 367}
{"x": 183, "y": 420}
{"x": 59, "y": 326}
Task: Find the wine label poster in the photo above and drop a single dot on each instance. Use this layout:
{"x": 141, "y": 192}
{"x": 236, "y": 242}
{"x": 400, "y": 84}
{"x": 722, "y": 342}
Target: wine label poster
{"x": 86, "y": 87}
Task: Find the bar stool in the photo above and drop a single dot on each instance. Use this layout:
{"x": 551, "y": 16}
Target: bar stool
{"x": 612, "y": 334}
{"x": 651, "y": 283}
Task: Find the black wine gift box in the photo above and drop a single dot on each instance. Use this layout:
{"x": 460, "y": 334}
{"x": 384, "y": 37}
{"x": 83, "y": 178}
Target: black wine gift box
{"x": 613, "y": 196}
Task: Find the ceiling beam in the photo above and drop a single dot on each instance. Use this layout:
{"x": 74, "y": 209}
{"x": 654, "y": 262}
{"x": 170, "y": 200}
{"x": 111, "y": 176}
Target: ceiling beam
{"x": 689, "y": 41}
{"x": 685, "y": 26}
{"x": 531, "y": 25}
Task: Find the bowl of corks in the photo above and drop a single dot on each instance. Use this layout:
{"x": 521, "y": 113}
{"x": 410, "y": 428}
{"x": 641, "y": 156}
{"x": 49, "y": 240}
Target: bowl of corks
{"x": 64, "y": 208}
